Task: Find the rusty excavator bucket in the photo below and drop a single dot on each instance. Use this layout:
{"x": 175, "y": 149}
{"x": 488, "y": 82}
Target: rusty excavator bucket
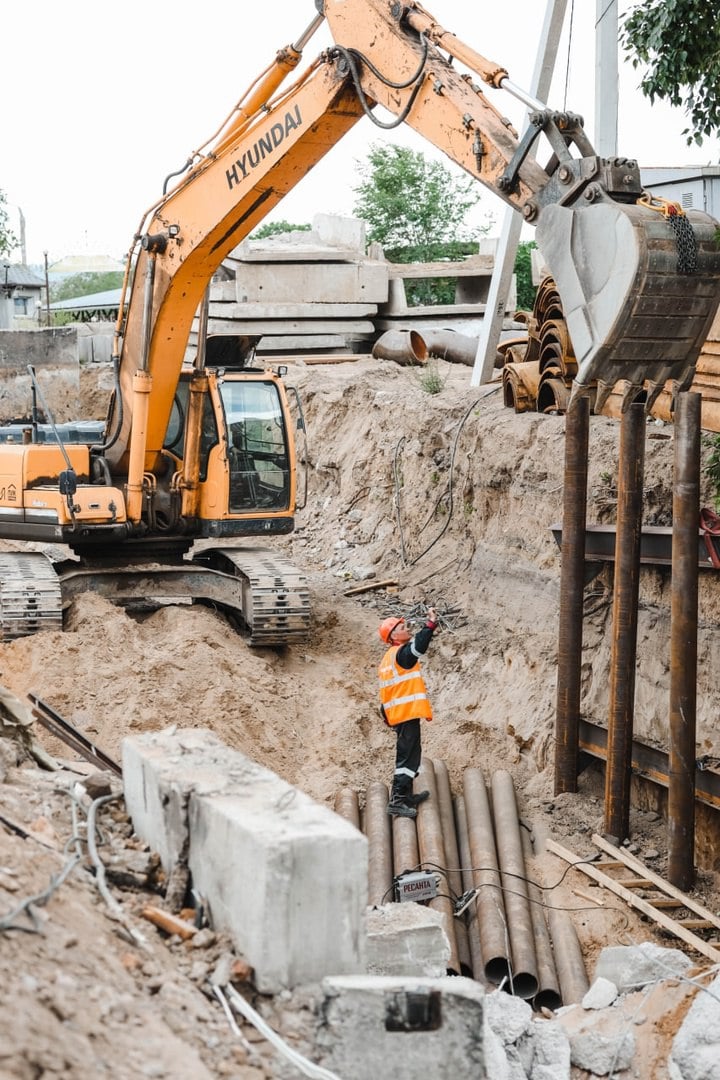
{"x": 640, "y": 286}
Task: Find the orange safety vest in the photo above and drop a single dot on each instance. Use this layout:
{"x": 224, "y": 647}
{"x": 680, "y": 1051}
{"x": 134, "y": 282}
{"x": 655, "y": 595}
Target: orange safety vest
{"x": 403, "y": 695}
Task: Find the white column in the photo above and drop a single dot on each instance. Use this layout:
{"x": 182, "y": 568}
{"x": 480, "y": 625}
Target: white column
{"x": 606, "y": 77}
{"x": 512, "y": 221}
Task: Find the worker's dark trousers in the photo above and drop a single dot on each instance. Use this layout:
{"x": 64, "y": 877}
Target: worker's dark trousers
{"x": 407, "y": 759}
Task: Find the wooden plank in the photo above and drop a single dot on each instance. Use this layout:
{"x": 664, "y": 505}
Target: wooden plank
{"x": 634, "y": 883}
{"x": 662, "y": 884}
{"x": 636, "y": 902}
{"x": 695, "y": 924}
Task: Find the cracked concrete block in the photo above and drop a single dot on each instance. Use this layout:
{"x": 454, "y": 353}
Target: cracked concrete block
{"x": 633, "y": 966}
{"x": 600, "y": 1053}
{"x": 406, "y": 939}
{"x": 371, "y": 1027}
{"x": 695, "y": 1053}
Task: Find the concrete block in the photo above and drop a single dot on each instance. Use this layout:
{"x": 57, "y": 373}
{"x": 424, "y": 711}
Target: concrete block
{"x": 508, "y": 1016}
{"x": 372, "y": 1027}
{"x": 283, "y": 875}
{"x": 599, "y": 1053}
{"x": 344, "y": 283}
{"x": 340, "y": 232}
{"x": 406, "y": 939}
{"x": 633, "y": 966}
{"x": 695, "y": 1050}
{"x": 551, "y": 1052}
{"x": 601, "y": 994}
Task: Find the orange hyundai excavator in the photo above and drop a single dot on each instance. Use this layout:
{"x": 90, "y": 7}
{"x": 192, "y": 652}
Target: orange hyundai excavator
{"x": 206, "y": 452}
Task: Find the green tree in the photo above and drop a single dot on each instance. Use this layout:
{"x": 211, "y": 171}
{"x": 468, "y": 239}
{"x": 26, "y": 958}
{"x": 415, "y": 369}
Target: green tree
{"x": 416, "y": 209}
{"x": 274, "y": 228}
{"x": 678, "y": 43}
{"x": 523, "y": 275}
{"x": 85, "y": 284}
{"x": 8, "y": 240}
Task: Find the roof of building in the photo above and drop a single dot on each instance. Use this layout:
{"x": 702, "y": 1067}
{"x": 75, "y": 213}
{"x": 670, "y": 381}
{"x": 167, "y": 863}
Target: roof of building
{"x": 110, "y": 298}
{"x": 19, "y": 275}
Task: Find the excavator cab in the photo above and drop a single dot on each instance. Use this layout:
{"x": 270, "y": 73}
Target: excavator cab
{"x": 246, "y": 452}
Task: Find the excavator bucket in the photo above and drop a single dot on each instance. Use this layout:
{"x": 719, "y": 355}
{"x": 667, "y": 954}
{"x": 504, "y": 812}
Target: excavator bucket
{"x": 639, "y": 292}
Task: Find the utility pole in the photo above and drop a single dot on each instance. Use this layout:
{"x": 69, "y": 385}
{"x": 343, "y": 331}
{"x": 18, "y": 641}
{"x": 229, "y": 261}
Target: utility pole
{"x": 606, "y": 77}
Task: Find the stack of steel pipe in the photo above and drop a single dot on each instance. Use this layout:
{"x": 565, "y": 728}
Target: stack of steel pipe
{"x": 477, "y": 847}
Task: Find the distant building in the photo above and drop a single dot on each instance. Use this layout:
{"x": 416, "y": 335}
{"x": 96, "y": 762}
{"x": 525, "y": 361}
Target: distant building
{"x": 21, "y": 297}
{"x": 695, "y": 188}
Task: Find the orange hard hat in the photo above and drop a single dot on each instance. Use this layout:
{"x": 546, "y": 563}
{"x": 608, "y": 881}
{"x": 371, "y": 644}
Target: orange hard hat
{"x": 387, "y": 627}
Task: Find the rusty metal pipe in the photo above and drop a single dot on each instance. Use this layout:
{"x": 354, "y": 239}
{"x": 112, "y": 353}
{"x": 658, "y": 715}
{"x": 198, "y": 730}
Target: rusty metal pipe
{"x": 572, "y": 584}
{"x": 454, "y": 871}
{"x": 470, "y": 917}
{"x": 347, "y": 806}
{"x": 379, "y": 836}
{"x": 451, "y": 346}
{"x": 523, "y": 977}
{"x": 548, "y": 992}
{"x": 569, "y": 961}
{"x": 433, "y": 857}
{"x": 683, "y": 643}
{"x": 405, "y": 347}
{"x": 625, "y": 609}
{"x": 494, "y": 937}
{"x": 405, "y": 845}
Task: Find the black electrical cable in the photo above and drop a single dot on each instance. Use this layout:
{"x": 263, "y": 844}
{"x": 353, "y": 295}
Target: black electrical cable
{"x": 351, "y": 56}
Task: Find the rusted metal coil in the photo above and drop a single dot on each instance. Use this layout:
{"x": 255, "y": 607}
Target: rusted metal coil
{"x": 520, "y": 385}
{"x": 553, "y": 394}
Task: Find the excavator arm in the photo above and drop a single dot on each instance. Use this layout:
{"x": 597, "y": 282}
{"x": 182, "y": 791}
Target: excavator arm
{"x": 639, "y": 289}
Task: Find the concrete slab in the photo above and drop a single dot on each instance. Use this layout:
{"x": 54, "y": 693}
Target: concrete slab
{"x": 283, "y": 875}
{"x": 351, "y": 283}
{"x": 374, "y": 1027}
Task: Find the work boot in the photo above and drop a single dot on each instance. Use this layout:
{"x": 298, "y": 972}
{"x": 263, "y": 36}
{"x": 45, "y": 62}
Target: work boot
{"x": 401, "y": 809}
{"x": 415, "y": 800}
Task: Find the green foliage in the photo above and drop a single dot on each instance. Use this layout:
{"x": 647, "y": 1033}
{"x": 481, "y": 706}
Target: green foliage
{"x": 678, "y": 43}
{"x": 8, "y": 240}
{"x": 85, "y": 285}
{"x": 523, "y": 275}
{"x": 711, "y": 468}
{"x": 275, "y": 228}
{"x": 416, "y": 209}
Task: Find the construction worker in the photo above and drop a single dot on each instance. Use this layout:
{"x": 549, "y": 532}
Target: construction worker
{"x": 404, "y": 703}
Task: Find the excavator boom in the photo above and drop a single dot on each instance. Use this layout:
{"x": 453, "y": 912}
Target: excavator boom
{"x": 209, "y": 453}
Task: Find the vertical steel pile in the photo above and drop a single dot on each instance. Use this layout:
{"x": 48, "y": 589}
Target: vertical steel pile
{"x": 625, "y": 619}
{"x": 683, "y": 643}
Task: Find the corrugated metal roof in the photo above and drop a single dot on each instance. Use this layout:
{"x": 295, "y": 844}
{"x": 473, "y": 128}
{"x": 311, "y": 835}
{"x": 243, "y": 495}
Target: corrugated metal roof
{"x": 110, "y": 298}
{"x": 20, "y": 275}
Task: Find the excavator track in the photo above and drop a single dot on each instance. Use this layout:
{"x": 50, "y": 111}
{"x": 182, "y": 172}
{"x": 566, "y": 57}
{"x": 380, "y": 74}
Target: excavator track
{"x": 276, "y": 602}
{"x": 30, "y": 595}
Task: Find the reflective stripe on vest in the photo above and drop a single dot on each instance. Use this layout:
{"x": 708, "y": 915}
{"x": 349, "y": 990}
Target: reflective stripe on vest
{"x": 402, "y": 691}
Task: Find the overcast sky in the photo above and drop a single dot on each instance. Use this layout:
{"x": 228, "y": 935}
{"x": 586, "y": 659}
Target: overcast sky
{"x": 102, "y": 102}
